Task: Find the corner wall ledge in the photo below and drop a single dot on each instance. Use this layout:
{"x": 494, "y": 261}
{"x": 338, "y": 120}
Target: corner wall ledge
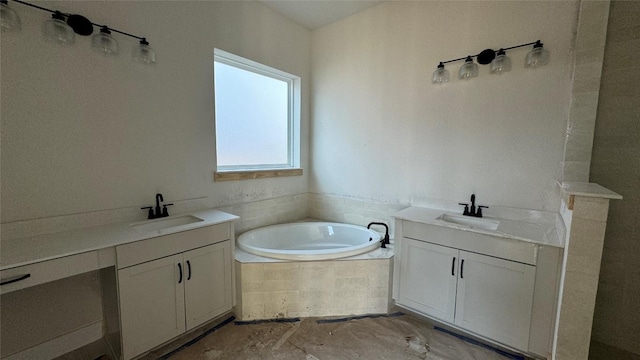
{"x": 588, "y": 190}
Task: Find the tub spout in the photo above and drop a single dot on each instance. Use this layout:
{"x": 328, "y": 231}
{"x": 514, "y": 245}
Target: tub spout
{"x": 385, "y": 240}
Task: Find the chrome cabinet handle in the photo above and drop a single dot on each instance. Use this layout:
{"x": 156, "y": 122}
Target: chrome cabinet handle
{"x": 14, "y": 279}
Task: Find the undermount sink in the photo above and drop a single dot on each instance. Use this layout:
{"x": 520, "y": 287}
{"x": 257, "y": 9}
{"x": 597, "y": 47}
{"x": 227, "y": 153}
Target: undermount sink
{"x": 165, "y": 223}
{"x": 470, "y": 221}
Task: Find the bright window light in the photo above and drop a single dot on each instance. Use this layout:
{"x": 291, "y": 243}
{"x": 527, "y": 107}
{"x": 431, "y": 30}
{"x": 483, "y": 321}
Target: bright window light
{"x": 255, "y": 115}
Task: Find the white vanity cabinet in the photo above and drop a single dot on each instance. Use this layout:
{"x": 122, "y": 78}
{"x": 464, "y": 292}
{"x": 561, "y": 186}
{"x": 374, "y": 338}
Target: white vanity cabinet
{"x": 207, "y": 288}
{"x": 151, "y": 304}
{"x": 494, "y": 298}
{"x": 483, "y": 294}
{"x": 428, "y": 282}
{"x": 486, "y": 285}
{"x": 171, "y": 284}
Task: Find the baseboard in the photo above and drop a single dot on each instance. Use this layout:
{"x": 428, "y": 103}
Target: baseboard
{"x": 61, "y": 345}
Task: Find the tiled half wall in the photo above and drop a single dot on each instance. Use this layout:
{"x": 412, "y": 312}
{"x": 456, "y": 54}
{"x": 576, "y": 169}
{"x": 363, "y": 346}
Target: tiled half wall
{"x": 312, "y": 288}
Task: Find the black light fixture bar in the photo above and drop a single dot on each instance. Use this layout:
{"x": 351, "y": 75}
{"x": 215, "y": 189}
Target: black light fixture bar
{"x": 486, "y": 51}
{"x": 84, "y": 19}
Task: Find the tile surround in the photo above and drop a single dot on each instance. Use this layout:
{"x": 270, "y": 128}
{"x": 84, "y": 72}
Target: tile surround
{"x": 352, "y": 211}
{"x": 312, "y": 288}
{"x": 268, "y": 212}
{"x": 589, "y": 52}
{"x": 586, "y": 223}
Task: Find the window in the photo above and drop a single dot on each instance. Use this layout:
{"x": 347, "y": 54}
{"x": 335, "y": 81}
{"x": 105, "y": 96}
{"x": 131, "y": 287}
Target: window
{"x": 257, "y": 117}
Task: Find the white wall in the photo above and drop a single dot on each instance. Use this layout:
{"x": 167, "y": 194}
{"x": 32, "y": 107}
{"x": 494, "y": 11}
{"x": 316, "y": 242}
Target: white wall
{"x": 382, "y": 131}
{"x": 83, "y": 132}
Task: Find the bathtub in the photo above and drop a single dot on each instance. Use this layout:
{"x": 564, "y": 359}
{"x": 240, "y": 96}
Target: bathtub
{"x": 309, "y": 241}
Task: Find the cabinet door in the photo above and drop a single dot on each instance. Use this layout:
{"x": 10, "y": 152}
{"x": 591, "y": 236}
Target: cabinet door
{"x": 208, "y": 282}
{"x": 428, "y": 278}
{"x": 494, "y": 298}
{"x": 151, "y": 304}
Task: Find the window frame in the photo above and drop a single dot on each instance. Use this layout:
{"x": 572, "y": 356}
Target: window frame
{"x": 241, "y": 172}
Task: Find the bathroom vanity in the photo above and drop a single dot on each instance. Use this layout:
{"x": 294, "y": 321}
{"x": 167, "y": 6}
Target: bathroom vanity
{"x": 496, "y": 279}
{"x": 159, "y": 278}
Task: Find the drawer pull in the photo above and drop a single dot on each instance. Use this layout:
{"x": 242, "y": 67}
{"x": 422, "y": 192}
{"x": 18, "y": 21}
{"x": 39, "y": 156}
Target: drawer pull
{"x": 15, "y": 279}
{"x": 180, "y": 270}
{"x": 189, "y": 267}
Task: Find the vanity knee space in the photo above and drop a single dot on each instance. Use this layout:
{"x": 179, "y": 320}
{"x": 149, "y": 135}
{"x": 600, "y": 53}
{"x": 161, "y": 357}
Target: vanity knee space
{"x": 134, "y": 285}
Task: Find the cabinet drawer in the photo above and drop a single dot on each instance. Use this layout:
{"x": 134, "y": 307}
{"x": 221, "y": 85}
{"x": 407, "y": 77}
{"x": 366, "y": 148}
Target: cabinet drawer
{"x": 155, "y": 248}
{"x": 45, "y": 271}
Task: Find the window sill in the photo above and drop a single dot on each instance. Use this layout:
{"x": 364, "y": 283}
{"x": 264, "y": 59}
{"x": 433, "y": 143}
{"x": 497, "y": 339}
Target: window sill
{"x": 254, "y": 174}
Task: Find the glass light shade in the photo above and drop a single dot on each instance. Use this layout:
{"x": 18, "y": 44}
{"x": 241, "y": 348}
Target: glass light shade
{"x": 103, "y": 42}
{"x": 143, "y": 53}
{"x": 56, "y": 30}
{"x": 501, "y": 64}
{"x": 441, "y": 75}
{"x": 537, "y": 57}
{"x": 9, "y": 20}
{"x": 468, "y": 70}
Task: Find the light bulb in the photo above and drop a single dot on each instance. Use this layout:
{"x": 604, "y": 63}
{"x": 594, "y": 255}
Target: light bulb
{"x": 441, "y": 75}
{"x": 56, "y": 30}
{"x": 537, "y": 57}
{"x": 143, "y": 53}
{"x": 501, "y": 64}
{"x": 468, "y": 70}
{"x": 103, "y": 42}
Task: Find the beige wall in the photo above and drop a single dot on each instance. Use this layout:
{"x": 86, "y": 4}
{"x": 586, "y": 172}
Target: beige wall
{"x": 382, "y": 131}
{"x": 83, "y": 132}
{"x": 616, "y": 165}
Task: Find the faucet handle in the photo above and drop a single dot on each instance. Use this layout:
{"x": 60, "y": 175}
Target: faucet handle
{"x": 150, "y": 216}
{"x": 164, "y": 209}
{"x": 466, "y": 208}
{"x": 479, "y": 212}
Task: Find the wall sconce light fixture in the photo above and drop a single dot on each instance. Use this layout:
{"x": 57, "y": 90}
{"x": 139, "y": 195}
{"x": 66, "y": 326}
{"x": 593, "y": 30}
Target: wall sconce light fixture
{"x": 62, "y": 27}
{"x": 9, "y": 20}
{"x": 499, "y": 61}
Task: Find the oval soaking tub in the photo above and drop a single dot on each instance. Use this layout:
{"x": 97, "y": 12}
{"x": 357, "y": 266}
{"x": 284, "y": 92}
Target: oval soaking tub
{"x": 309, "y": 241}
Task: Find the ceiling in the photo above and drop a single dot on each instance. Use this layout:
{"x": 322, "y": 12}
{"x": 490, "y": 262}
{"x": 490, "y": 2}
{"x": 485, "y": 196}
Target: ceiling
{"x": 314, "y": 14}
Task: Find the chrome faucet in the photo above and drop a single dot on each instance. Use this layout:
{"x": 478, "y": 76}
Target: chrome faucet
{"x": 471, "y": 211}
{"x": 159, "y": 212}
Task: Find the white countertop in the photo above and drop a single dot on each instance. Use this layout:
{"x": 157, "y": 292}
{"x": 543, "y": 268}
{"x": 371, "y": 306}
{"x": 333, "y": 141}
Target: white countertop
{"x": 28, "y": 250}
{"x": 532, "y": 232}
